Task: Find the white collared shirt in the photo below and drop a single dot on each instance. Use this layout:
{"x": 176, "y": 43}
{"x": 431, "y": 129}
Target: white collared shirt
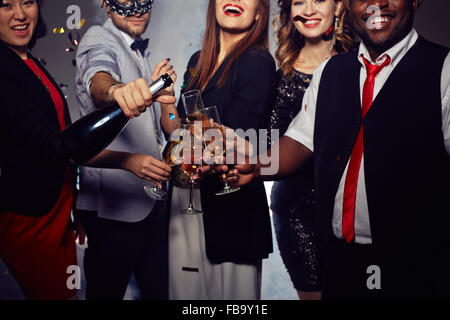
{"x": 129, "y": 40}
{"x": 301, "y": 128}
{"x": 146, "y": 75}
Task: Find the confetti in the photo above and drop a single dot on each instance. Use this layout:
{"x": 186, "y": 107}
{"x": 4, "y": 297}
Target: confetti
{"x": 184, "y": 86}
{"x": 64, "y": 89}
{"x": 193, "y": 73}
{"x": 74, "y": 38}
{"x": 171, "y": 116}
{"x": 69, "y": 50}
{"x": 81, "y": 24}
{"x": 59, "y": 30}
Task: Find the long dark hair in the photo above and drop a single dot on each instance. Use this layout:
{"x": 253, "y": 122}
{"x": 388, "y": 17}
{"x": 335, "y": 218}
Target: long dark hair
{"x": 257, "y": 35}
{"x": 41, "y": 27}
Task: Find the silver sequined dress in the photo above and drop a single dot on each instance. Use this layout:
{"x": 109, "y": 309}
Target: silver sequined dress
{"x": 293, "y": 199}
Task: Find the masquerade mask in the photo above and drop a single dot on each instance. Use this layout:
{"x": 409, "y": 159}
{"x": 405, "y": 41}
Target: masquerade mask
{"x": 130, "y": 7}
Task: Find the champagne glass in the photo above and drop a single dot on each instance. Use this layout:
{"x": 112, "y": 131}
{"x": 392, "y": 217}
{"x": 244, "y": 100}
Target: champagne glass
{"x": 192, "y": 101}
{"x": 171, "y": 155}
{"x": 191, "y": 159}
{"x": 214, "y": 132}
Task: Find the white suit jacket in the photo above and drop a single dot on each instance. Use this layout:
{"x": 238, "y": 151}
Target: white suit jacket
{"x": 116, "y": 194}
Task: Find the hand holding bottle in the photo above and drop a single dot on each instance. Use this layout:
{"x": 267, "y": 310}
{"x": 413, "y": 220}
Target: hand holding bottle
{"x": 135, "y": 96}
{"x": 91, "y": 134}
{"x": 163, "y": 67}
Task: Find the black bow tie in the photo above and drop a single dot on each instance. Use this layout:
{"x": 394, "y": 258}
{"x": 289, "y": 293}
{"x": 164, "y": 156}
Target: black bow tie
{"x": 140, "y": 44}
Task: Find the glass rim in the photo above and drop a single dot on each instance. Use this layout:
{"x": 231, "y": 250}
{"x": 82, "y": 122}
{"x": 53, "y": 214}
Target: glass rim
{"x": 191, "y": 92}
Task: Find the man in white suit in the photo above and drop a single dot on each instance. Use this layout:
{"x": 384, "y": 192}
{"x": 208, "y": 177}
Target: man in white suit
{"x": 127, "y": 230}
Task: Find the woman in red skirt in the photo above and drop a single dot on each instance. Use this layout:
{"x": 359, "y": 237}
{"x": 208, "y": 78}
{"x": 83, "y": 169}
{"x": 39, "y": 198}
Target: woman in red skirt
{"x": 36, "y": 179}
{"x": 36, "y": 182}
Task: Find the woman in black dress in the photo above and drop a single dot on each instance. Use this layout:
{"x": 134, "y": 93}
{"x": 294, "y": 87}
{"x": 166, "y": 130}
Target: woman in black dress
{"x": 309, "y": 31}
{"x": 218, "y": 255}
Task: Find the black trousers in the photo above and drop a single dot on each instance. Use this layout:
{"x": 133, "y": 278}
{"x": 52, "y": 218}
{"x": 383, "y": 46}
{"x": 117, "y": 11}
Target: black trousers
{"x": 118, "y": 249}
{"x": 344, "y": 271}
{"x": 406, "y": 272}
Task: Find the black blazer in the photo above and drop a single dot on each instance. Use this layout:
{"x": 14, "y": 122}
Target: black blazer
{"x": 237, "y": 226}
{"x": 32, "y": 170}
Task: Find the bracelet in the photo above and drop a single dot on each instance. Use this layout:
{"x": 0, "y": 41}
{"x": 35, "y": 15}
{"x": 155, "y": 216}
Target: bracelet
{"x": 111, "y": 90}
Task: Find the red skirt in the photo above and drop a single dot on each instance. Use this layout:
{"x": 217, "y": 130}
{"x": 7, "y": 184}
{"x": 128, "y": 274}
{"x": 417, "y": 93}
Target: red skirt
{"x": 38, "y": 250}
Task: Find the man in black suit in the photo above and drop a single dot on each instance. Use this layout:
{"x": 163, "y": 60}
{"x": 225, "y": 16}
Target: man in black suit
{"x": 378, "y": 122}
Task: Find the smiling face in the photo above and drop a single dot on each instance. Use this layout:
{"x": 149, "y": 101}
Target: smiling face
{"x": 312, "y": 18}
{"x": 236, "y": 16}
{"x": 18, "y": 19}
{"x": 379, "y": 32}
{"x": 134, "y": 25}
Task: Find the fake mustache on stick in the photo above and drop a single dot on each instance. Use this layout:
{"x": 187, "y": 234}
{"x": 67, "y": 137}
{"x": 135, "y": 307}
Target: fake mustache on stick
{"x": 298, "y": 18}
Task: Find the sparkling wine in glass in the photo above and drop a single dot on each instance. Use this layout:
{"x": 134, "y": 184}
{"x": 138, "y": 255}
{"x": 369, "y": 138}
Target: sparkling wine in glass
{"x": 192, "y": 149}
{"x": 171, "y": 154}
{"x": 216, "y": 142}
{"x": 192, "y": 102}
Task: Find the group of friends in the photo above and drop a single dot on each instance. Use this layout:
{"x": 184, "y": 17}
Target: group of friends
{"x": 360, "y": 210}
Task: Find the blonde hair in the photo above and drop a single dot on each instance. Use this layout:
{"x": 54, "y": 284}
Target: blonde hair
{"x": 290, "y": 42}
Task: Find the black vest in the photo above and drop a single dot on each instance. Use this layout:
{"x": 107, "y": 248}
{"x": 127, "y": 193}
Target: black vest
{"x": 407, "y": 169}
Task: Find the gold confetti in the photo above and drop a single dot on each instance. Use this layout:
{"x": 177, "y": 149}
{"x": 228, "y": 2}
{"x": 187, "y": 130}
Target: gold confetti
{"x": 59, "y": 30}
{"x": 81, "y": 24}
{"x": 193, "y": 73}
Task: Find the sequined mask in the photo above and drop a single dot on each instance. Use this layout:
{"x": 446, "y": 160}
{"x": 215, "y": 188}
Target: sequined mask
{"x": 130, "y": 7}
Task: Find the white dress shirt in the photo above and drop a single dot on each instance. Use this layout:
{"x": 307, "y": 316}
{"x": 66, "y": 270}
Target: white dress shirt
{"x": 302, "y": 128}
{"x": 147, "y": 74}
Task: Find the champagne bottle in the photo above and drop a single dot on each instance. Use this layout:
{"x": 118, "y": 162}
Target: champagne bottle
{"x": 91, "y": 134}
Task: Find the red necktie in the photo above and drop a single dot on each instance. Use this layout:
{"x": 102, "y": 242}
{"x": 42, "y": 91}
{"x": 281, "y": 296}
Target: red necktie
{"x": 351, "y": 180}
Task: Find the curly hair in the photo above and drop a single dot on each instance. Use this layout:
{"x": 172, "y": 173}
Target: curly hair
{"x": 41, "y": 27}
{"x": 290, "y": 43}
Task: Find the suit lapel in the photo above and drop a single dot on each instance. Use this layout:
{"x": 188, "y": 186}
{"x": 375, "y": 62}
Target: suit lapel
{"x": 117, "y": 33}
{"x": 67, "y": 120}
{"x": 30, "y": 80}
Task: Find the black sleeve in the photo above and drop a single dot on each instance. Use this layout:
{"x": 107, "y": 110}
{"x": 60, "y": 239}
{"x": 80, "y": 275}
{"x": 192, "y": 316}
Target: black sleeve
{"x": 187, "y": 78}
{"x": 253, "y": 91}
{"x": 25, "y": 123}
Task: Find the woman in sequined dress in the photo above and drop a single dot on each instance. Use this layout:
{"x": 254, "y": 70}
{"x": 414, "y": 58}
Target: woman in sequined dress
{"x": 309, "y": 32}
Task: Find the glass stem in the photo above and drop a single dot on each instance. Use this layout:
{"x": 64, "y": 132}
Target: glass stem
{"x": 191, "y": 192}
